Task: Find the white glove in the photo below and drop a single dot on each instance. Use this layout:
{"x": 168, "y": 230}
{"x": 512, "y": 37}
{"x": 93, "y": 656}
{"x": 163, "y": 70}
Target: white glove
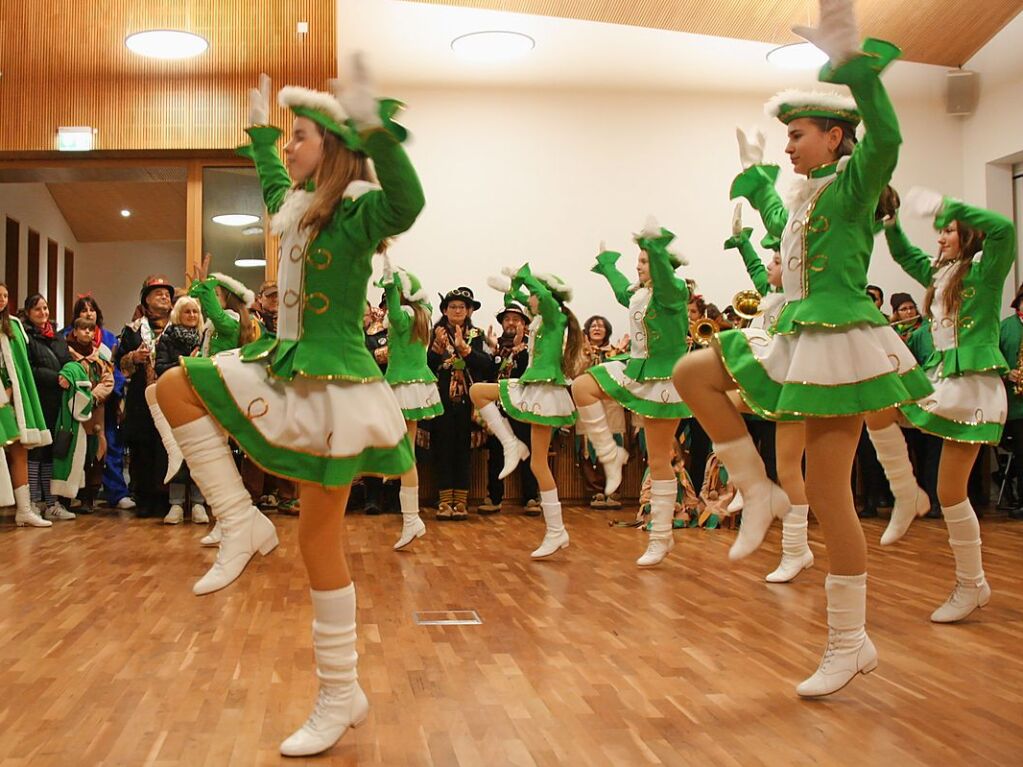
{"x": 838, "y": 34}
{"x": 923, "y": 202}
{"x": 737, "y": 221}
{"x": 501, "y": 284}
{"x": 259, "y": 102}
{"x": 357, "y": 98}
{"x": 750, "y": 152}
{"x": 387, "y": 274}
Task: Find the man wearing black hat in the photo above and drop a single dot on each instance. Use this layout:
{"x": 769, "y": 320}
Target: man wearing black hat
{"x": 135, "y": 354}
{"x": 458, "y": 358}
{"x": 511, "y": 358}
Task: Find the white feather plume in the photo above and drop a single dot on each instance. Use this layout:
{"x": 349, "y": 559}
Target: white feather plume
{"x": 501, "y": 284}
{"x": 651, "y": 228}
{"x": 674, "y": 250}
{"x": 357, "y": 188}
{"x": 235, "y": 287}
{"x": 296, "y": 96}
{"x": 556, "y": 285}
{"x": 800, "y": 98}
{"x": 509, "y": 271}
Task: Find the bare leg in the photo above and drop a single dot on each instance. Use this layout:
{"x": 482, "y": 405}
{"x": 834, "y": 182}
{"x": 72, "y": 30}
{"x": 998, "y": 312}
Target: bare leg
{"x": 555, "y": 536}
{"x": 540, "y": 439}
{"x": 660, "y": 439}
{"x": 18, "y": 455}
{"x": 704, "y": 385}
{"x": 321, "y": 535}
{"x": 484, "y": 396}
{"x": 790, "y": 443}
{"x": 483, "y": 393}
{"x": 411, "y": 477}
{"x": 971, "y": 590}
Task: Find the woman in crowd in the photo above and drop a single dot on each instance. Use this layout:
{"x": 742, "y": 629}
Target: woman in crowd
{"x": 47, "y": 353}
{"x": 540, "y": 397}
{"x": 658, "y": 313}
{"x": 22, "y": 420}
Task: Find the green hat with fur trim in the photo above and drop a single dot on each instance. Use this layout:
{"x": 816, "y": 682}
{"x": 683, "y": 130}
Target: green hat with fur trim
{"x": 411, "y": 288}
{"x": 235, "y": 288}
{"x": 770, "y": 242}
{"x": 657, "y": 237}
{"x": 326, "y": 111}
{"x": 790, "y": 105}
{"x": 560, "y": 289}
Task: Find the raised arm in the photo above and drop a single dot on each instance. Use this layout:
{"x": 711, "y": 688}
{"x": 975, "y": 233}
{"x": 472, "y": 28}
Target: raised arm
{"x": 549, "y": 308}
{"x": 669, "y": 291}
{"x": 393, "y": 208}
{"x": 756, "y": 184}
{"x": 999, "y": 236}
{"x": 913, "y": 261}
{"x": 204, "y": 291}
{"x": 396, "y": 316}
{"x": 607, "y": 266}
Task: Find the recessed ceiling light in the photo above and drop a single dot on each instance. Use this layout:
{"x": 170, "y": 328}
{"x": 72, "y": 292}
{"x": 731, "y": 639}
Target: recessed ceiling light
{"x": 249, "y": 263}
{"x": 495, "y": 45}
{"x": 236, "y": 219}
{"x": 797, "y": 56}
{"x": 253, "y": 230}
{"x": 125, "y": 212}
{"x": 166, "y": 44}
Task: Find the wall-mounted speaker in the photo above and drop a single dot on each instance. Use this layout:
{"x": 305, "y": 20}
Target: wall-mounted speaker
{"x": 962, "y": 90}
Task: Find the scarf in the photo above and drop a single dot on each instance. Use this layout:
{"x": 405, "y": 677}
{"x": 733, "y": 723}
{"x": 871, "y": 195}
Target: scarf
{"x": 84, "y": 349}
{"x": 46, "y": 331}
{"x": 182, "y": 336}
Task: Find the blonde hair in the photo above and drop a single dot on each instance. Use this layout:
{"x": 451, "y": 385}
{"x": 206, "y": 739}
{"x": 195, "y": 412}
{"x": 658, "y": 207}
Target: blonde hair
{"x": 248, "y": 328}
{"x": 179, "y": 307}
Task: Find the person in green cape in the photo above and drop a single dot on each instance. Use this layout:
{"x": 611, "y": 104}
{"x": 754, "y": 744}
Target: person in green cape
{"x": 308, "y": 404}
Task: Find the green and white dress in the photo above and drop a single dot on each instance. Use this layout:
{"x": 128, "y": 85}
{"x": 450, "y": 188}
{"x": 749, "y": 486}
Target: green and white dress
{"x": 541, "y": 395}
{"x": 21, "y": 415}
{"x": 832, "y": 352}
{"x": 413, "y": 383}
{"x": 969, "y": 402}
{"x": 310, "y": 403}
{"x": 658, "y": 325}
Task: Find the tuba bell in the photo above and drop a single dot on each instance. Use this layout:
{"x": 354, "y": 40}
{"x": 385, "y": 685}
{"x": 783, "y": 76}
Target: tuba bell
{"x": 746, "y": 304}
{"x": 703, "y": 330}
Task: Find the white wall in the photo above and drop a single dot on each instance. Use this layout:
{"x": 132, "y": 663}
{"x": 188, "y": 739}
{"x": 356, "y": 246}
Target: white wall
{"x": 33, "y": 208}
{"x": 544, "y": 176}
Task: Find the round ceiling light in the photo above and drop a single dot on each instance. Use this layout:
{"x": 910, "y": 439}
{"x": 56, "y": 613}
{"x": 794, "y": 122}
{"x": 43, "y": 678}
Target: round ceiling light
{"x": 249, "y": 263}
{"x": 166, "y": 44}
{"x": 125, "y": 212}
{"x": 235, "y": 219}
{"x": 494, "y": 45}
{"x": 797, "y": 56}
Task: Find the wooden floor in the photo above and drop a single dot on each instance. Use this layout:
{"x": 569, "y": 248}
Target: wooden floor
{"x": 107, "y": 658}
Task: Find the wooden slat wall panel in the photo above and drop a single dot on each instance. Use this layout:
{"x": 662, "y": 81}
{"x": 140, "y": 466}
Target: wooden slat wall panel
{"x": 34, "y": 257}
{"x": 72, "y": 68}
{"x": 12, "y": 230}
{"x": 69, "y": 283}
{"x": 56, "y": 316}
{"x": 942, "y": 32}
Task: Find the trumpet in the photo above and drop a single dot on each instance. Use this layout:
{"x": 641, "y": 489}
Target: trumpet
{"x": 746, "y": 304}
{"x": 703, "y": 330}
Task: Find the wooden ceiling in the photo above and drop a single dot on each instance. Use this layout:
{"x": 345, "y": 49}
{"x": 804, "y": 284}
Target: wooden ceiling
{"x": 945, "y": 32}
{"x": 64, "y": 62}
{"x": 93, "y": 209}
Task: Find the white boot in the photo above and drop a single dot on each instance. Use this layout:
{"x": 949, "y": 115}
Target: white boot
{"x": 763, "y": 501}
{"x": 662, "y": 513}
{"x": 971, "y": 590}
{"x": 412, "y": 525}
{"x": 850, "y": 651}
{"x": 199, "y": 515}
{"x": 341, "y": 703}
{"x": 245, "y": 530}
{"x": 514, "y": 449}
{"x": 215, "y": 536}
{"x": 556, "y": 536}
{"x": 736, "y": 503}
{"x": 910, "y": 501}
{"x": 26, "y": 514}
{"x": 612, "y": 457}
{"x": 170, "y": 444}
{"x": 795, "y": 553}
{"x": 175, "y": 516}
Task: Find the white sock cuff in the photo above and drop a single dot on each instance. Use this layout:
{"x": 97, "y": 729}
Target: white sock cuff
{"x": 334, "y": 606}
{"x": 549, "y": 496}
{"x": 197, "y": 433}
{"x": 591, "y": 413}
{"x": 664, "y": 487}
{"x": 798, "y": 512}
{"x": 846, "y": 580}
{"x": 958, "y": 512}
{"x": 887, "y": 434}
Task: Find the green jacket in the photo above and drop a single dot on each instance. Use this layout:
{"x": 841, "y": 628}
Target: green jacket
{"x": 826, "y": 250}
{"x": 658, "y": 314}
{"x": 335, "y": 266}
{"x": 1010, "y": 341}
{"x": 966, "y": 342}
{"x": 76, "y": 405}
{"x": 406, "y": 357}
{"x": 754, "y": 266}
{"x": 226, "y": 327}
{"x": 22, "y": 418}
{"x": 547, "y": 342}
{"x": 921, "y": 343}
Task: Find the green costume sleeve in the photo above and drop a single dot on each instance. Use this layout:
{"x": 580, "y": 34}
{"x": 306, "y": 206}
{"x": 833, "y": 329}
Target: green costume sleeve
{"x": 396, "y": 316}
{"x": 754, "y": 266}
{"x": 394, "y": 208}
{"x": 913, "y": 261}
{"x": 872, "y": 163}
{"x": 607, "y": 267}
{"x": 1009, "y": 341}
{"x": 205, "y": 293}
{"x": 669, "y": 291}
{"x": 756, "y": 184}
{"x": 999, "y": 237}
{"x": 549, "y": 308}
{"x": 273, "y": 176}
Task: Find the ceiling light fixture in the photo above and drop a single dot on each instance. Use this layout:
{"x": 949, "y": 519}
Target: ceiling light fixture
{"x": 125, "y": 212}
{"x": 168, "y": 44}
{"x": 797, "y": 56}
{"x": 249, "y": 263}
{"x": 494, "y": 45}
{"x": 235, "y": 219}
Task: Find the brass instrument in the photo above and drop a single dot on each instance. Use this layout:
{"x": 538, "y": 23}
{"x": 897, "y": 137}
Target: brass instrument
{"x": 1017, "y": 388}
{"x": 746, "y": 304}
{"x": 703, "y": 330}
{"x": 914, "y": 318}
